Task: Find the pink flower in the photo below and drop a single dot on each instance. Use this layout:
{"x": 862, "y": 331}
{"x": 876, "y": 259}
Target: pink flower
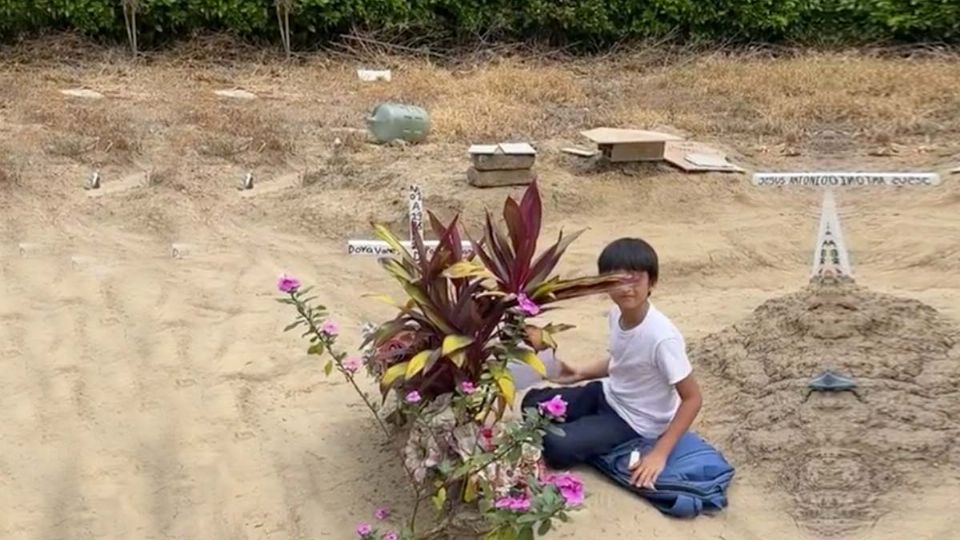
{"x": 467, "y": 387}
{"x": 287, "y": 284}
{"x": 555, "y": 407}
{"x": 520, "y": 503}
{"x": 413, "y": 397}
{"x": 364, "y": 530}
{"x": 391, "y": 535}
{"x": 527, "y": 305}
{"x": 382, "y": 513}
{"x": 330, "y": 328}
{"x": 352, "y": 364}
{"x": 570, "y": 487}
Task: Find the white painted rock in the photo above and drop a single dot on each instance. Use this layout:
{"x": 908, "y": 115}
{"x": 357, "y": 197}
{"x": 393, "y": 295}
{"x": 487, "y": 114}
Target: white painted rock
{"x": 236, "y": 93}
{"x": 180, "y": 250}
{"x": 82, "y": 93}
{"x": 370, "y": 75}
{"x": 29, "y": 248}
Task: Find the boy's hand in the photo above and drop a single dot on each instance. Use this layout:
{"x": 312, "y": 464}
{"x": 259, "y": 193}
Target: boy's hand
{"x": 566, "y": 375}
{"x": 648, "y": 469}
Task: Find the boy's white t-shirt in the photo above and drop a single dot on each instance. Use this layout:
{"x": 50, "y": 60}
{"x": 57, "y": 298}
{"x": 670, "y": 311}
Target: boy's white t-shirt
{"x": 646, "y": 362}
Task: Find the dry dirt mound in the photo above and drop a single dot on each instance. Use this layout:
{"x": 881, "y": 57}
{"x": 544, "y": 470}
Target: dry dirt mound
{"x": 837, "y": 454}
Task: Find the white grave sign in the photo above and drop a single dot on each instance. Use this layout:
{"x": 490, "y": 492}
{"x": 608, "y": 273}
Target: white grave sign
{"x": 839, "y": 179}
{"x": 830, "y": 256}
{"x": 415, "y": 216}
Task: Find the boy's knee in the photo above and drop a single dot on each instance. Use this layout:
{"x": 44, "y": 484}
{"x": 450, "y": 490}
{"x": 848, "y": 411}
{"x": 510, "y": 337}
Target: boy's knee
{"x": 558, "y": 455}
{"x": 532, "y": 399}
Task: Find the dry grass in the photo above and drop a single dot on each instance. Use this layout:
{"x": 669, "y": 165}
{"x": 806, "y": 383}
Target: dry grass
{"x": 741, "y": 98}
{"x": 242, "y": 133}
{"x": 880, "y": 97}
{"x": 484, "y": 103}
{"x": 88, "y": 132}
{"x": 10, "y": 171}
{"x": 721, "y": 95}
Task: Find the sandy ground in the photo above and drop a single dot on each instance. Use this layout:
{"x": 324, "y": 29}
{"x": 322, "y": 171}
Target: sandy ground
{"x": 147, "y": 396}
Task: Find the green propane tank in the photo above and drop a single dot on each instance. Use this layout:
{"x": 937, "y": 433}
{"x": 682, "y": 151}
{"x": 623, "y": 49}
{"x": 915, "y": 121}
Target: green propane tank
{"x": 391, "y": 121}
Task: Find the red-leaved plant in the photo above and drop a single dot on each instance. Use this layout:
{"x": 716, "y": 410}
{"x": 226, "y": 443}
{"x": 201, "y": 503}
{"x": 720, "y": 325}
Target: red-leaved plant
{"x": 446, "y": 355}
{"x": 466, "y": 311}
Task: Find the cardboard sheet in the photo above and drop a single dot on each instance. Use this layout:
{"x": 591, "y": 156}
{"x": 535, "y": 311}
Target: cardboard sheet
{"x": 692, "y": 156}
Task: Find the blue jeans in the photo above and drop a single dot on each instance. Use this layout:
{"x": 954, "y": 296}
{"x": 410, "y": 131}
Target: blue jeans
{"x": 591, "y": 427}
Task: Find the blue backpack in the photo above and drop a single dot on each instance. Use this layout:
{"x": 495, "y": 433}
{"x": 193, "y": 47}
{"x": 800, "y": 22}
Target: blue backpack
{"x": 694, "y": 481}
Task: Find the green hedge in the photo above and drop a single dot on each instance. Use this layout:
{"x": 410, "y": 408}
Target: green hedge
{"x": 595, "y": 22}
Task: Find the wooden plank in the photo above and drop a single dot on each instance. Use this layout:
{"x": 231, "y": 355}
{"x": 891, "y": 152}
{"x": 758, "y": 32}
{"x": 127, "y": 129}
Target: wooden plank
{"x": 625, "y": 152}
{"x": 517, "y": 177}
{"x": 582, "y": 152}
{"x": 606, "y": 135}
{"x": 502, "y": 162}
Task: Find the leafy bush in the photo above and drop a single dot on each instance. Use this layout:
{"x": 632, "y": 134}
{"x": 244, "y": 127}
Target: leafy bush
{"x": 444, "y": 359}
{"x": 589, "y": 21}
{"x": 464, "y": 318}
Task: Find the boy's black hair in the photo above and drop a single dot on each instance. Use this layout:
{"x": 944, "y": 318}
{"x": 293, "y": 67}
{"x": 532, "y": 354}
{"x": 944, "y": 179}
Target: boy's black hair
{"x": 629, "y": 255}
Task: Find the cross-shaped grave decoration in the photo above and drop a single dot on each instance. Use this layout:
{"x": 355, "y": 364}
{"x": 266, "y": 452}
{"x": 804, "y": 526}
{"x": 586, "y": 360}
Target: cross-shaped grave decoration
{"x": 830, "y": 257}
{"x": 415, "y": 215}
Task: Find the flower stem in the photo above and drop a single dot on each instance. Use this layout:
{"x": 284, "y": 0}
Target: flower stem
{"x": 418, "y": 493}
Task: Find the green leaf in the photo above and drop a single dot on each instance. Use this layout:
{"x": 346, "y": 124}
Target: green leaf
{"x": 385, "y": 298}
{"x": 393, "y": 373}
{"x": 316, "y": 348}
{"x": 395, "y": 268}
{"x": 507, "y": 533}
{"x": 531, "y": 359}
{"x": 454, "y": 343}
{"x": 470, "y": 490}
{"x": 505, "y": 384}
{"x": 440, "y": 498}
{"x": 293, "y": 325}
{"x": 467, "y": 269}
{"x": 417, "y": 363}
{"x": 527, "y": 519}
{"x": 544, "y": 527}
{"x": 328, "y": 367}
{"x": 384, "y": 234}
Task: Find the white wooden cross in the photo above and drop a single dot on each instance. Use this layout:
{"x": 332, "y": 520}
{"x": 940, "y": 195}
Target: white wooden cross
{"x": 830, "y": 256}
{"x": 415, "y": 215}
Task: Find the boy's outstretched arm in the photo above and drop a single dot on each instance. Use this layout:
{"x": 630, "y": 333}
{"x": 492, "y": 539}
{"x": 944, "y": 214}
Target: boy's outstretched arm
{"x": 651, "y": 465}
{"x": 568, "y": 375}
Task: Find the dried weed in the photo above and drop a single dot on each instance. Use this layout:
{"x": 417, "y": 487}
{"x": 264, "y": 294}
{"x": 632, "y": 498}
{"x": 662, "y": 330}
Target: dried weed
{"x": 10, "y": 171}
{"x": 242, "y": 133}
{"x": 93, "y": 131}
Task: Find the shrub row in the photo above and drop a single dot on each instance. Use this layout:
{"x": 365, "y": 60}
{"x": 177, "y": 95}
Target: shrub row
{"x": 595, "y": 22}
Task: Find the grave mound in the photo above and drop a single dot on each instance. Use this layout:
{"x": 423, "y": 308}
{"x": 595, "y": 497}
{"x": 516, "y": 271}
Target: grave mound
{"x": 840, "y": 455}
